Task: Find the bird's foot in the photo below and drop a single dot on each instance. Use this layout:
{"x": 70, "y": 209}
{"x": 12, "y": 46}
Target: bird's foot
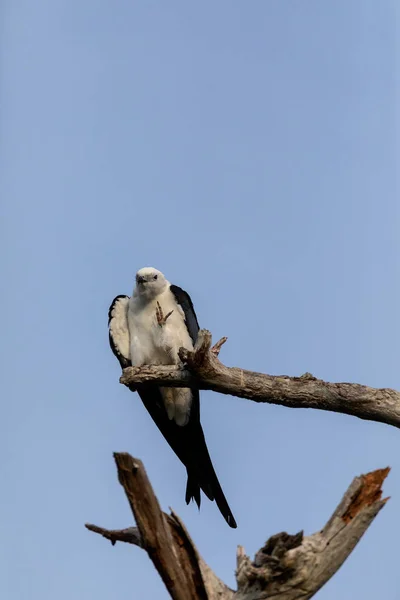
{"x": 161, "y": 320}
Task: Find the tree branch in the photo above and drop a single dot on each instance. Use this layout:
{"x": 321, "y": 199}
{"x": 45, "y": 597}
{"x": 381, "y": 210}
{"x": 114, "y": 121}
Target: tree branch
{"x": 287, "y": 567}
{"x": 130, "y": 535}
{"x": 205, "y": 371}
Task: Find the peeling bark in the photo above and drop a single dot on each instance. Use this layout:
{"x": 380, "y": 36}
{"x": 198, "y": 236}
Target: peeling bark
{"x": 204, "y": 370}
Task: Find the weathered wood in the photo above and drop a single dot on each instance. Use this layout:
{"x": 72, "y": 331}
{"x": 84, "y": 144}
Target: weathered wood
{"x": 287, "y": 567}
{"x": 216, "y": 589}
{"x": 204, "y": 370}
{"x": 130, "y": 535}
{"x": 296, "y": 567}
{"x": 213, "y": 586}
{"x": 164, "y": 537}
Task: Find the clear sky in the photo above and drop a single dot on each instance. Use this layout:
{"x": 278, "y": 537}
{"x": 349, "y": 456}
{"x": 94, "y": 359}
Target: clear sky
{"x": 247, "y": 150}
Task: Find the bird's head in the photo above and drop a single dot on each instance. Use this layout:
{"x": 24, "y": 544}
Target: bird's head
{"x": 150, "y": 282}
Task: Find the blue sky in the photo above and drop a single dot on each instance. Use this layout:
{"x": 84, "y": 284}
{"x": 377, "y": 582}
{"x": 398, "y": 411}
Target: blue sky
{"x": 248, "y": 150}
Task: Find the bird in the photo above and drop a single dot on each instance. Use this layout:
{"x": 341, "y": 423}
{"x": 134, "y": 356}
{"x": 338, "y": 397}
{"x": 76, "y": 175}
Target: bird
{"x": 149, "y": 328}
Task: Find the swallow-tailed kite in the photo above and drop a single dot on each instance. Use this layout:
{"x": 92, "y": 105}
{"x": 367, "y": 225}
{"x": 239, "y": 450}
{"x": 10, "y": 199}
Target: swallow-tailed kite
{"x": 148, "y": 329}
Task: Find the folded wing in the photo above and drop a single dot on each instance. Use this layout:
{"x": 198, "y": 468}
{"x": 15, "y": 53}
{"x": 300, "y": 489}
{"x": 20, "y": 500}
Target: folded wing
{"x": 118, "y": 330}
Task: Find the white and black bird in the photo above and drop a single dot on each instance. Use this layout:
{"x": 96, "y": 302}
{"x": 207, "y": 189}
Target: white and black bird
{"x": 148, "y": 328}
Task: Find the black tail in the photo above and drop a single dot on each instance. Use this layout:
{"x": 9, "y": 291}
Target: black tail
{"x": 192, "y": 491}
{"x": 211, "y": 487}
{"x": 189, "y": 445}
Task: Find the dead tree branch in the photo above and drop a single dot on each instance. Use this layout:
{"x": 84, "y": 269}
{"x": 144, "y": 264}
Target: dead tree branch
{"x": 130, "y": 535}
{"x": 204, "y": 370}
{"x": 164, "y": 537}
{"x": 288, "y": 567}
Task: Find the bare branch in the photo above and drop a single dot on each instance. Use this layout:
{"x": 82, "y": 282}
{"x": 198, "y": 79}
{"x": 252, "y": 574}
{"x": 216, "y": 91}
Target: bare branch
{"x": 216, "y": 349}
{"x": 130, "y": 535}
{"x": 205, "y": 371}
{"x": 287, "y": 567}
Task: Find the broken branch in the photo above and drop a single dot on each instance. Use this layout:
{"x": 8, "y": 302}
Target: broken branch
{"x": 294, "y": 567}
{"x": 163, "y": 536}
{"x": 130, "y": 535}
{"x": 291, "y": 567}
{"x": 216, "y": 349}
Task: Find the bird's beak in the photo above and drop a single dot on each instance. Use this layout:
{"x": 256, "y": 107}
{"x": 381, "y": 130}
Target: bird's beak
{"x": 141, "y": 280}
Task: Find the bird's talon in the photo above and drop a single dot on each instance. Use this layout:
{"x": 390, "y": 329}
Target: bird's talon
{"x": 161, "y": 320}
{"x": 168, "y": 315}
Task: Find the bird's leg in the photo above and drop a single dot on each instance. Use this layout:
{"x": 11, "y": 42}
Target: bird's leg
{"x": 161, "y": 320}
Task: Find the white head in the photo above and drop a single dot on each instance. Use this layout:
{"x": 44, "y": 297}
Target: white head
{"x": 150, "y": 283}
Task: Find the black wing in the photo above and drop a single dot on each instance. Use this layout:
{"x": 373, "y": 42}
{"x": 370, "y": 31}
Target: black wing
{"x": 188, "y": 442}
{"x": 118, "y": 330}
{"x": 184, "y": 300}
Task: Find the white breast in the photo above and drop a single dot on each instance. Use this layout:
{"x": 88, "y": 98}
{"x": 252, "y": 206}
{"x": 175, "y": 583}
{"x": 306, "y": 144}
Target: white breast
{"x": 150, "y": 342}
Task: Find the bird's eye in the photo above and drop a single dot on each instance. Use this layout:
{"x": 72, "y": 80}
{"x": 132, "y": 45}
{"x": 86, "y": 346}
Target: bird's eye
{"x": 155, "y": 276}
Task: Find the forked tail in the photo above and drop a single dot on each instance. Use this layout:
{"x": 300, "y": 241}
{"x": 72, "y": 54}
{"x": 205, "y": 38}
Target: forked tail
{"x": 207, "y": 480}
